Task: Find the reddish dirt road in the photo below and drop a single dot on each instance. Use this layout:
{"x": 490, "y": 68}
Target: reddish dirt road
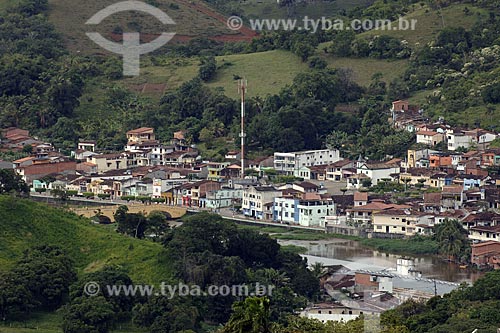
{"x": 244, "y": 34}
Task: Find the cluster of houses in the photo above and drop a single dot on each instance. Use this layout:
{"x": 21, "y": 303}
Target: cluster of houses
{"x": 448, "y": 173}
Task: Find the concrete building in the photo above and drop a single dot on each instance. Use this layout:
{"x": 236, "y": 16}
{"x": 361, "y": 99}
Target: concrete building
{"x": 486, "y": 254}
{"x": 429, "y": 138}
{"x": 223, "y": 198}
{"x": 290, "y": 163}
{"x": 398, "y": 222}
{"x": 378, "y": 171}
{"x": 286, "y": 210}
{"x": 107, "y": 162}
{"x": 312, "y": 213}
{"x": 88, "y": 145}
{"x": 254, "y": 199}
{"x": 140, "y": 135}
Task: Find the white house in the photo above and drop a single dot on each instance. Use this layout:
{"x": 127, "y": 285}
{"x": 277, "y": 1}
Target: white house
{"x": 457, "y": 140}
{"x": 481, "y": 138}
{"x": 289, "y": 163}
{"x": 163, "y": 185}
{"x": 312, "y": 213}
{"x": 399, "y": 221}
{"x": 430, "y": 138}
{"x": 378, "y": 171}
{"x": 224, "y": 197}
{"x": 286, "y": 210}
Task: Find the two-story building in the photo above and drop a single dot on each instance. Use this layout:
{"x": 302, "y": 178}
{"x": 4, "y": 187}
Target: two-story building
{"x": 290, "y": 163}
{"x": 399, "y": 222}
{"x": 429, "y": 138}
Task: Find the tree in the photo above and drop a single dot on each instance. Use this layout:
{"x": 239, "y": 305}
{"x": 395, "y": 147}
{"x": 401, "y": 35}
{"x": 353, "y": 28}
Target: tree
{"x": 10, "y": 182}
{"x": 337, "y": 140}
{"x": 47, "y": 272}
{"x": 132, "y": 224}
{"x": 60, "y": 194}
{"x": 16, "y": 300}
{"x": 88, "y": 315}
{"x": 157, "y": 223}
{"x": 318, "y": 269}
{"x": 341, "y": 43}
{"x": 109, "y": 276}
{"x": 162, "y": 315}
{"x": 303, "y": 50}
{"x": 317, "y": 63}
{"x": 452, "y": 239}
{"x": 250, "y": 316}
{"x": 208, "y": 68}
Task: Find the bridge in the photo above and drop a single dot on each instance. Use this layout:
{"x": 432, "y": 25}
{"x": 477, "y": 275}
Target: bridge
{"x": 109, "y": 211}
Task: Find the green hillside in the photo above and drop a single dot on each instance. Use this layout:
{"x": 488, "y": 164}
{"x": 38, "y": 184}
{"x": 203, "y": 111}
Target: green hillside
{"x": 69, "y": 18}
{"x": 430, "y": 22}
{"x": 313, "y": 9}
{"x": 26, "y": 224}
{"x": 267, "y": 73}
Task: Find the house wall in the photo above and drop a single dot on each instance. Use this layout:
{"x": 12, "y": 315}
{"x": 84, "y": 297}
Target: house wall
{"x": 484, "y": 235}
{"x": 286, "y": 210}
{"x": 486, "y": 253}
{"x": 253, "y": 201}
{"x": 313, "y": 214}
{"x": 395, "y": 224}
{"x": 456, "y": 141}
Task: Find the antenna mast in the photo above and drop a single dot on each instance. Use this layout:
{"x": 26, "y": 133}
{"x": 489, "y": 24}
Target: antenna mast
{"x": 242, "y": 88}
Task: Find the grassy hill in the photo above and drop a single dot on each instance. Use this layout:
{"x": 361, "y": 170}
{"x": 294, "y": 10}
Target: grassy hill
{"x": 313, "y": 9}
{"x": 26, "y": 224}
{"x": 191, "y": 18}
{"x": 430, "y": 22}
{"x": 267, "y": 73}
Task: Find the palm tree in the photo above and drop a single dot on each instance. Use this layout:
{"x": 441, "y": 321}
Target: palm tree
{"x": 276, "y": 278}
{"x": 452, "y": 238}
{"x": 318, "y": 269}
{"x": 250, "y": 316}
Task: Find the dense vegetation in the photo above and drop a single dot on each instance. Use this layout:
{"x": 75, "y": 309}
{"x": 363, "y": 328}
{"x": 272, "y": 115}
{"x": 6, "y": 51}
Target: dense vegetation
{"x": 26, "y": 224}
{"x": 463, "y": 310}
{"x": 204, "y": 251}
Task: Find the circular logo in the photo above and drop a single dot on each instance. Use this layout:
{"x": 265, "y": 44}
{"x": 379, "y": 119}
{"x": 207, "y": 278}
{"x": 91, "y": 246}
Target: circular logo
{"x": 92, "y": 289}
{"x": 235, "y": 23}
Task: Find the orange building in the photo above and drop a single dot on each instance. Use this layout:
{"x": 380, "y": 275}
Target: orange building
{"x": 486, "y": 253}
{"x": 438, "y": 161}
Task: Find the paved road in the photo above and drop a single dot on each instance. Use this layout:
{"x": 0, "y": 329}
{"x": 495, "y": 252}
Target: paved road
{"x": 226, "y": 213}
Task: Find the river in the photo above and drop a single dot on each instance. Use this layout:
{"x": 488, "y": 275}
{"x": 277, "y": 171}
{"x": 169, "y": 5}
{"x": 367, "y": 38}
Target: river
{"x": 351, "y": 251}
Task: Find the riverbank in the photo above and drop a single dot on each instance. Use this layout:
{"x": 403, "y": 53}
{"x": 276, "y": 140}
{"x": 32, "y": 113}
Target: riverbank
{"x": 414, "y": 246}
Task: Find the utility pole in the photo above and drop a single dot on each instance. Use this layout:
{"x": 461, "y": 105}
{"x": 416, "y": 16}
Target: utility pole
{"x": 242, "y": 88}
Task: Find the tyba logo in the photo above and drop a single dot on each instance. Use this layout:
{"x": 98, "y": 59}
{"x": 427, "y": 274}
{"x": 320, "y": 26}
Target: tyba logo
{"x": 131, "y": 49}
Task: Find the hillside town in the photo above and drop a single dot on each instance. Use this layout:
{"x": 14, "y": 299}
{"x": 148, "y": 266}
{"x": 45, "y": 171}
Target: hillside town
{"x": 450, "y": 173}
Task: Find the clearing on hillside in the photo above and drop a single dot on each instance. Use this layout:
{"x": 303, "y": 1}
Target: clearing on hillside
{"x": 193, "y": 19}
